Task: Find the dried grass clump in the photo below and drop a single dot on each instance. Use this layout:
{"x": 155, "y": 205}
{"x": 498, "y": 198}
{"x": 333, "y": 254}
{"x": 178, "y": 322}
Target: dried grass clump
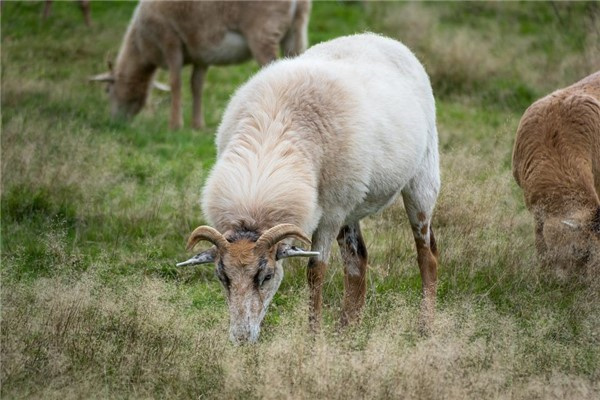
{"x": 498, "y": 64}
{"x": 477, "y": 354}
{"x": 73, "y": 335}
{"x": 457, "y": 61}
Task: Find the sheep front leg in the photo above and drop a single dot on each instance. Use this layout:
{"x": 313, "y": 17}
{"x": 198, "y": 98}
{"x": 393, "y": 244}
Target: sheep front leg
{"x": 175, "y": 63}
{"x": 317, "y": 266}
{"x": 540, "y": 243}
{"x": 197, "y": 83}
{"x": 354, "y": 256}
{"x": 315, "y": 275}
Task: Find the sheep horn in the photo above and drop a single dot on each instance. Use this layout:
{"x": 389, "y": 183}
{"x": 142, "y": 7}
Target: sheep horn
{"x": 279, "y": 232}
{"x": 287, "y": 251}
{"x": 207, "y": 233}
{"x": 205, "y": 257}
{"x": 571, "y": 223}
{"x": 161, "y": 86}
{"x": 104, "y": 77}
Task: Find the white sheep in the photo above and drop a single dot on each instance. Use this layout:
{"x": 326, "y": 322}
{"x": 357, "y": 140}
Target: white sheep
{"x": 310, "y": 146}
{"x": 556, "y": 161}
{"x": 170, "y": 34}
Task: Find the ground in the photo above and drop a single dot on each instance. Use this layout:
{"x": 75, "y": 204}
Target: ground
{"x": 95, "y": 214}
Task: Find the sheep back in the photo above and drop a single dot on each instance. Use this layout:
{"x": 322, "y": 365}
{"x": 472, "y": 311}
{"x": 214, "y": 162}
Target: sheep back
{"x": 350, "y": 122}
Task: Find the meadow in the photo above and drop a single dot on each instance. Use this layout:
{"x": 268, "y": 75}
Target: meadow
{"x": 95, "y": 214}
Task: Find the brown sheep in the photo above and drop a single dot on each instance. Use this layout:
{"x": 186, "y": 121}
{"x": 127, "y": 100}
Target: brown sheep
{"x": 170, "y": 34}
{"x": 556, "y": 161}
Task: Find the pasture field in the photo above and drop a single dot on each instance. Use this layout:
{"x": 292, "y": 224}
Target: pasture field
{"x": 95, "y": 214}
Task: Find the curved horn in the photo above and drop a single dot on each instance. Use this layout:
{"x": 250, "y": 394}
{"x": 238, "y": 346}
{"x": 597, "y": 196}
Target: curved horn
{"x": 278, "y": 233}
{"x": 104, "y": 77}
{"x": 205, "y": 257}
{"x": 161, "y": 86}
{"x": 207, "y": 233}
{"x": 287, "y": 251}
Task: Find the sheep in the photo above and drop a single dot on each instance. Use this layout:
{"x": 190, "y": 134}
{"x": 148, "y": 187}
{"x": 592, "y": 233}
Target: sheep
{"x": 556, "y": 161}
{"x": 307, "y": 148}
{"x": 170, "y": 34}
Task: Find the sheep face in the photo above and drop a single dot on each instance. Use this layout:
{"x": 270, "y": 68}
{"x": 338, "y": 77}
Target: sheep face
{"x": 249, "y": 267}
{"x": 125, "y": 101}
{"x": 126, "y": 98}
{"x": 250, "y": 279}
{"x": 571, "y": 243}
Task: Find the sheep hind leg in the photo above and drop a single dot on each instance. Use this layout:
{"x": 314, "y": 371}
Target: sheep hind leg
{"x": 197, "y": 83}
{"x": 419, "y": 200}
{"x": 85, "y": 9}
{"x": 354, "y": 256}
{"x": 295, "y": 40}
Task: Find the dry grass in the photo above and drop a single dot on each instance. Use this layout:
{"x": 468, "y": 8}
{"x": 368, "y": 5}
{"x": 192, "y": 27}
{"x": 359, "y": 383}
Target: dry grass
{"x": 80, "y": 338}
{"x": 504, "y": 54}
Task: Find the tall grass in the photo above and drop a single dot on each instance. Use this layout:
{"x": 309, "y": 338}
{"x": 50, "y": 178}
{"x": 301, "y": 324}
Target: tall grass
{"x": 94, "y": 215}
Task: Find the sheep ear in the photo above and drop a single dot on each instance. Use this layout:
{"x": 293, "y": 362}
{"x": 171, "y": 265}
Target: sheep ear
{"x": 104, "y": 77}
{"x": 571, "y": 223}
{"x": 206, "y": 257}
{"x": 161, "y": 86}
{"x": 287, "y": 251}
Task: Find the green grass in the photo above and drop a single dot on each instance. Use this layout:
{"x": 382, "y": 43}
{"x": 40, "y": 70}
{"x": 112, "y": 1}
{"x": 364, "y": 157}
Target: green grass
{"x": 95, "y": 214}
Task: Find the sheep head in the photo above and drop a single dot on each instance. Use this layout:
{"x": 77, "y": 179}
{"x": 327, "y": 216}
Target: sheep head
{"x": 574, "y": 242}
{"x": 249, "y": 268}
{"x": 127, "y": 93}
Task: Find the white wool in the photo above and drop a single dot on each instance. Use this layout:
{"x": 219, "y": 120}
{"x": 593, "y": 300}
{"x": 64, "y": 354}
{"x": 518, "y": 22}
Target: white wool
{"x": 324, "y": 139}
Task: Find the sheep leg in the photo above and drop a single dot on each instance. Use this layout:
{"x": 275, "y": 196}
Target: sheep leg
{"x": 354, "y": 255}
{"x": 197, "y": 83}
{"x": 175, "y": 63}
{"x": 321, "y": 242}
{"x": 419, "y": 200}
{"x": 85, "y": 9}
{"x": 295, "y": 40}
{"x": 540, "y": 243}
{"x": 263, "y": 51}
{"x": 315, "y": 274}
{"x": 47, "y": 9}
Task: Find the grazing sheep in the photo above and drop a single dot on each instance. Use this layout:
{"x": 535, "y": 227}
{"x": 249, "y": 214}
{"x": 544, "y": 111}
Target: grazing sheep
{"x": 170, "y": 34}
{"x": 310, "y": 146}
{"x": 556, "y": 161}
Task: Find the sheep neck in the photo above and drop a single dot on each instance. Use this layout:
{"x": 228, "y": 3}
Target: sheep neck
{"x": 265, "y": 179}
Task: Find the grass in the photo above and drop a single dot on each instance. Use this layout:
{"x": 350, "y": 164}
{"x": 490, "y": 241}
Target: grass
{"x": 95, "y": 214}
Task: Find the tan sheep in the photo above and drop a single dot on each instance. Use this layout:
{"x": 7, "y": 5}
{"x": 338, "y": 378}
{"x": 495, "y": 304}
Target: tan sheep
{"x": 170, "y": 34}
{"x": 556, "y": 161}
